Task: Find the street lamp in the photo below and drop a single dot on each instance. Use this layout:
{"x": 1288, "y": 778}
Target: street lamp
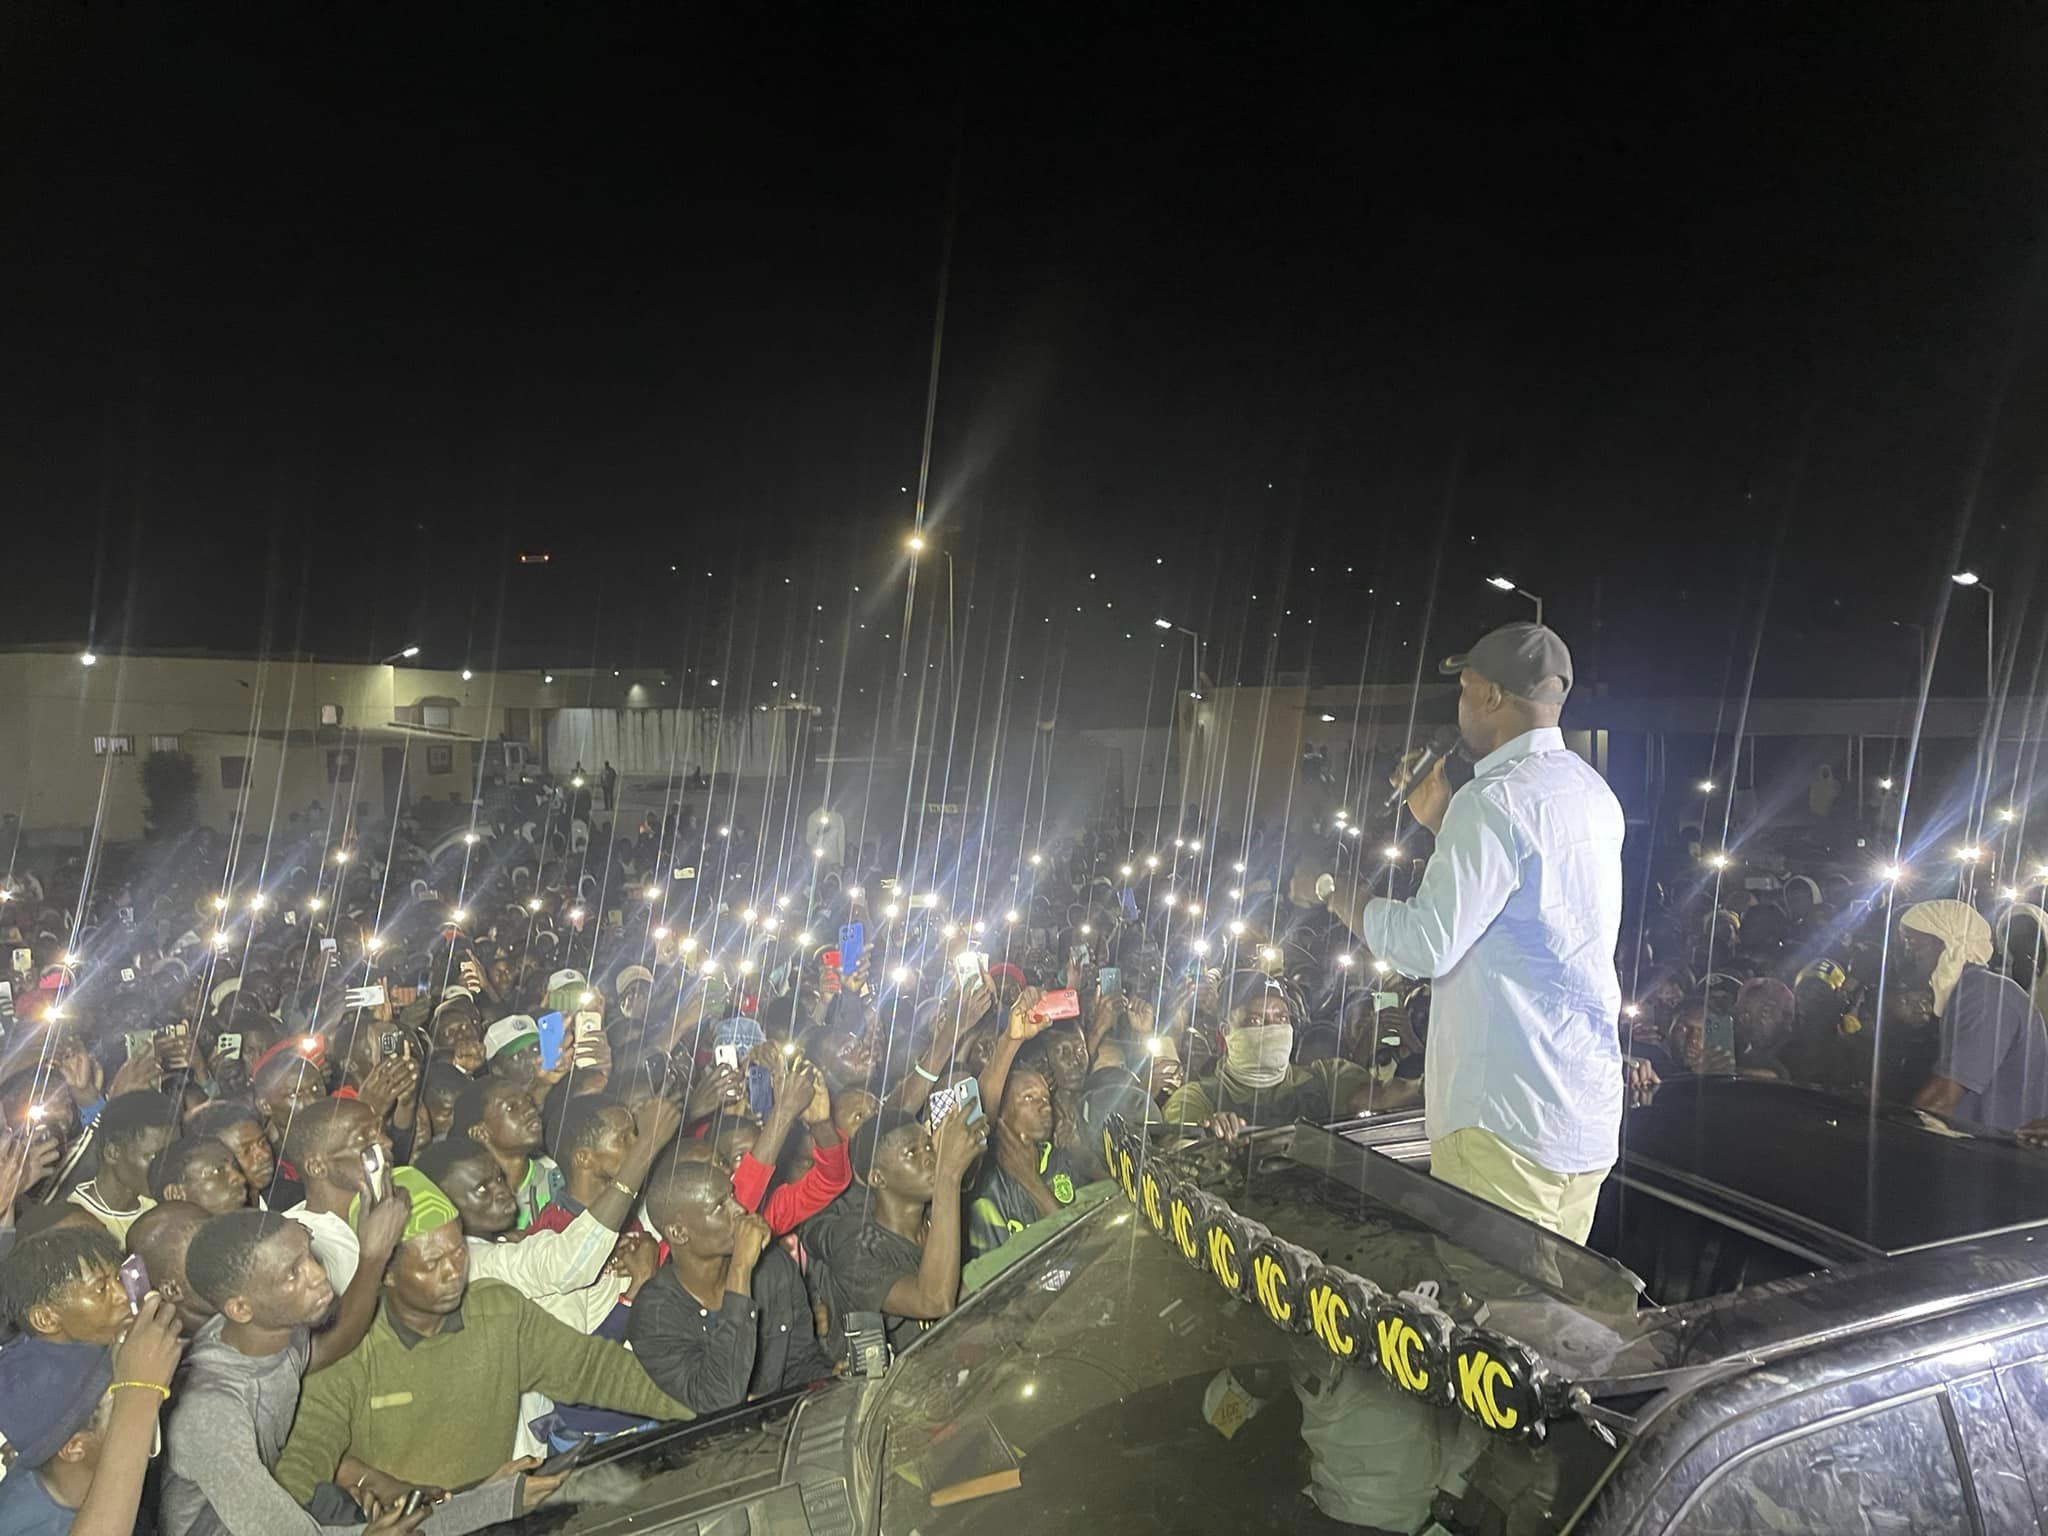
{"x": 405, "y": 655}
{"x": 88, "y": 659}
{"x": 1972, "y": 579}
{"x": 1506, "y": 584}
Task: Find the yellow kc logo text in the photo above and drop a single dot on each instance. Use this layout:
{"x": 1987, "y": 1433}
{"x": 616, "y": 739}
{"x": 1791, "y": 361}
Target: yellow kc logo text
{"x": 1480, "y": 1380}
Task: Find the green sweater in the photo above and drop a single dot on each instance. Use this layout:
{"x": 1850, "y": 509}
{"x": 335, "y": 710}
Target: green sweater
{"x": 442, "y": 1411}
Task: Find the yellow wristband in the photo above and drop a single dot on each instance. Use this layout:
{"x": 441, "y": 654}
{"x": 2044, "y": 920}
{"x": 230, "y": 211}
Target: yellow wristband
{"x": 147, "y": 1386}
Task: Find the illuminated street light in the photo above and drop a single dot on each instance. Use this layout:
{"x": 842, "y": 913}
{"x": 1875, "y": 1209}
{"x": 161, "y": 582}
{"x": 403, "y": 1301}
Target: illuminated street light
{"x": 467, "y": 674}
{"x": 1966, "y": 578}
{"x": 1162, "y": 623}
{"x": 88, "y": 659}
{"x": 1507, "y": 584}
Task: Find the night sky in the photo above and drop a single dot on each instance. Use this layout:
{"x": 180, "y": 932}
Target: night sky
{"x": 1686, "y": 317}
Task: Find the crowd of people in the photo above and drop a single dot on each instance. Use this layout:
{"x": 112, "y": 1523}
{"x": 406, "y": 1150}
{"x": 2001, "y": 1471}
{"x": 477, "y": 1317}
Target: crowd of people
{"x": 363, "y": 1180}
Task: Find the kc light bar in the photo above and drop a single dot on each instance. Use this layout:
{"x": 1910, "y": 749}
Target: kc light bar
{"x": 1421, "y": 1350}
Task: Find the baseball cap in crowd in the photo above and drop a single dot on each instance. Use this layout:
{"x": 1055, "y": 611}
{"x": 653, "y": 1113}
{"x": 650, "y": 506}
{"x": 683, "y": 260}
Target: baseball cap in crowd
{"x": 564, "y": 979}
{"x": 48, "y": 1392}
{"x": 631, "y": 974}
{"x": 1523, "y": 659}
{"x": 511, "y": 1033}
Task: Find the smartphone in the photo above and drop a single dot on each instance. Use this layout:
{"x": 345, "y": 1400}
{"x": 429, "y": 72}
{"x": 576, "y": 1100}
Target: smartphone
{"x": 24, "y": 961}
{"x": 390, "y": 1043}
{"x": 1110, "y": 981}
{"x": 1718, "y": 1043}
{"x": 134, "y": 1280}
{"x": 414, "y": 1498}
{"x": 970, "y": 965}
{"x": 291, "y": 918}
{"x": 563, "y": 1461}
{"x": 327, "y": 946}
{"x": 589, "y": 1026}
{"x": 372, "y": 996}
{"x": 889, "y": 885}
{"x": 939, "y": 1105}
{"x": 1381, "y": 1001}
{"x": 549, "y": 1026}
{"x": 227, "y": 1047}
{"x": 726, "y": 1056}
{"x": 760, "y": 1090}
{"x": 140, "y": 1042}
{"x": 853, "y": 938}
{"x": 967, "y": 1100}
{"x": 1127, "y": 899}
{"x": 1063, "y": 1004}
{"x": 615, "y": 918}
{"x": 127, "y": 973}
{"x": 376, "y": 1184}
{"x": 688, "y": 872}
{"x": 1080, "y": 954}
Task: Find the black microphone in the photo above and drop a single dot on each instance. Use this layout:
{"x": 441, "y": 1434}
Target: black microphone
{"x": 1441, "y": 746}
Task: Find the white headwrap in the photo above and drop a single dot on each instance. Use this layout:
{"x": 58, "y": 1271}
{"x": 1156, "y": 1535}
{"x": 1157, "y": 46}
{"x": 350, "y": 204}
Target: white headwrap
{"x": 1965, "y": 940}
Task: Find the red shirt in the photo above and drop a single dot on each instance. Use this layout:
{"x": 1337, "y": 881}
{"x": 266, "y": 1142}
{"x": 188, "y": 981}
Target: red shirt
{"x": 792, "y": 1204}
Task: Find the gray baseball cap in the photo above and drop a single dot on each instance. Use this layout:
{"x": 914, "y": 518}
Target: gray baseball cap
{"x": 1526, "y": 660}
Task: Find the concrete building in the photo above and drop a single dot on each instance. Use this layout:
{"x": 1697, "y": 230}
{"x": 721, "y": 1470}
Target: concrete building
{"x": 267, "y": 736}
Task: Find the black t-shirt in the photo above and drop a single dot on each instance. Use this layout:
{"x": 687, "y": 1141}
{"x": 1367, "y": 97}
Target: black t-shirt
{"x": 859, "y": 1260}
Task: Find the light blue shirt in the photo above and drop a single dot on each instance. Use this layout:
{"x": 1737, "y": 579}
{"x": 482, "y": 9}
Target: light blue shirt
{"x": 1515, "y": 922}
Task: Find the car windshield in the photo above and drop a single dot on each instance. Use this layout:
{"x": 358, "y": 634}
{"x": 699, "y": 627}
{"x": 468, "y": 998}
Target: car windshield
{"x": 1118, "y": 1384}
{"x": 645, "y": 1481}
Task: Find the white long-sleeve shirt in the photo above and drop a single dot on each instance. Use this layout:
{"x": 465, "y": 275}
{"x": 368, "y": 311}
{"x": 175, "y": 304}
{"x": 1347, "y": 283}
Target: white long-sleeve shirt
{"x": 1515, "y": 922}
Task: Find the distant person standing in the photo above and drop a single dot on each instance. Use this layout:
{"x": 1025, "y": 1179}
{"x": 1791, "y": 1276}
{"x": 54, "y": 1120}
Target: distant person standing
{"x": 610, "y": 779}
{"x": 1515, "y": 923}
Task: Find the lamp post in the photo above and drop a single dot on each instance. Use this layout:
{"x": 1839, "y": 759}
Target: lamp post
{"x": 1194, "y": 693}
{"x": 1987, "y": 751}
{"x": 1506, "y": 584}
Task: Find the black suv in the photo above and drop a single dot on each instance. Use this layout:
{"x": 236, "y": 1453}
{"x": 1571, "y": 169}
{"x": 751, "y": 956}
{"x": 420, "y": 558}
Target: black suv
{"x": 1840, "y": 1325}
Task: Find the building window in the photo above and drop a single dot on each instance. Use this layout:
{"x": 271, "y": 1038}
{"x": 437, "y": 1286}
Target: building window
{"x": 113, "y": 746}
{"x": 440, "y": 759}
{"x": 234, "y": 772}
{"x": 330, "y": 714}
{"x": 163, "y": 743}
{"x": 437, "y": 717}
{"x": 341, "y": 767}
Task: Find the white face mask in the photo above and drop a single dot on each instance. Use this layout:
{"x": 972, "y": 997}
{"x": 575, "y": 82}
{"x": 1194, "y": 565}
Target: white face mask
{"x": 1257, "y": 1054}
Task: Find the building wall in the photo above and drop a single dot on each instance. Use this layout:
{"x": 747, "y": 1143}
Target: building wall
{"x": 52, "y": 708}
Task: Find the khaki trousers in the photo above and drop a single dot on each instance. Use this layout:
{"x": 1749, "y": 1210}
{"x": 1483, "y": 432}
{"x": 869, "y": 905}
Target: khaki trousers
{"x": 1480, "y": 1163}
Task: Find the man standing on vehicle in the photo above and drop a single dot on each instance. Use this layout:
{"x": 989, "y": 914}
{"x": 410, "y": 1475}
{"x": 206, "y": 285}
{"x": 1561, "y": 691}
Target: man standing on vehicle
{"x": 1515, "y": 923}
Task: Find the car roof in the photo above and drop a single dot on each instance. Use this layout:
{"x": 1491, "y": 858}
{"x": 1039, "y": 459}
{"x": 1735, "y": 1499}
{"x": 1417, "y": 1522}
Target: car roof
{"x": 1871, "y": 1184}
